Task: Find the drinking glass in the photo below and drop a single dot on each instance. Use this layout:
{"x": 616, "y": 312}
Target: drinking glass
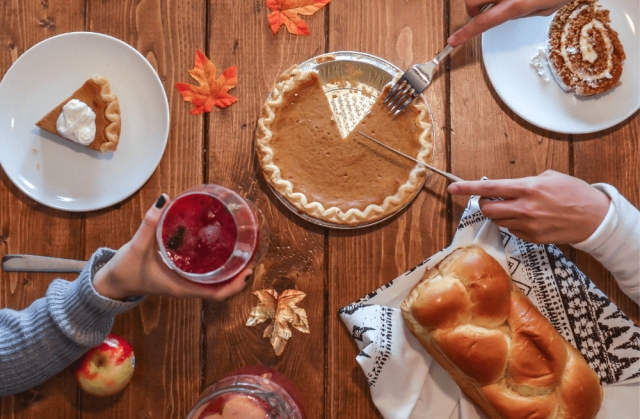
{"x": 257, "y": 390}
{"x": 209, "y": 234}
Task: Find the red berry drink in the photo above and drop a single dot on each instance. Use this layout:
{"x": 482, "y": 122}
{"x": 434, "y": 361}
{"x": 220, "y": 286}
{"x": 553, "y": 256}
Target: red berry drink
{"x": 209, "y": 234}
{"x": 250, "y": 393}
{"x": 199, "y": 233}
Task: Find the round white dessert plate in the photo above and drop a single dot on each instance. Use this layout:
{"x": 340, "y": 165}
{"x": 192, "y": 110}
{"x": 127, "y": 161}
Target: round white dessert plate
{"x": 508, "y": 49}
{"x": 60, "y": 173}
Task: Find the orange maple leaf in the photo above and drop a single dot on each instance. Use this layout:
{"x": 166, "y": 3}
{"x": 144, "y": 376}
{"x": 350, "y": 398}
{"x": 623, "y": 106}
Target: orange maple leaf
{"x": 285, "y": 12}
{"x": 211, "y": 92}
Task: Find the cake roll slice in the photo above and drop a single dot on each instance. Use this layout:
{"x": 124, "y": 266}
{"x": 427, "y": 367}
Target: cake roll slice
{"x": 584, "y": 52}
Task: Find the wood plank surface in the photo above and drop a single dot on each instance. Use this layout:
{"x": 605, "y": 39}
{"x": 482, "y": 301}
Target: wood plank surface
{"x": 506, "y": 146}
{"x": 27, "y": 226}
{"x": 487, "y": 138}
{"x": 183, "y": 346}
{"x": 362, "y": 260}
{"x": 240, "y": 35}
{"x": 165, "y": 333}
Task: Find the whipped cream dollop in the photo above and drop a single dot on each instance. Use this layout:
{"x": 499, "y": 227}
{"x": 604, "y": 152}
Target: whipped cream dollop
{"x": 77, "y": 122}
{"x": 539, "y": 62}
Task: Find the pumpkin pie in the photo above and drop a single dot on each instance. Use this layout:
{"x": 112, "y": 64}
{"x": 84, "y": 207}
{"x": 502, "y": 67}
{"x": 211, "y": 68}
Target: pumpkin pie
{"x": 348, "y": 181}
{"x": 96, "y": 94}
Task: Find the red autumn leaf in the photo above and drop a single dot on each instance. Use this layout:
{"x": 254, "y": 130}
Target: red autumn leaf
{"x": 285, "y": 12}
{"x": 211, "y": 92}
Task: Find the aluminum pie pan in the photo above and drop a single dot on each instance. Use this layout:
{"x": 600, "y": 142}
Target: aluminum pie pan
{"x": 350, "y": 104}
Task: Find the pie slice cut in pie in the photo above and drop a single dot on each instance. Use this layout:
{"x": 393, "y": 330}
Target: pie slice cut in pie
{"x": 347, "y": 181}
{"x": 96, "y": 94}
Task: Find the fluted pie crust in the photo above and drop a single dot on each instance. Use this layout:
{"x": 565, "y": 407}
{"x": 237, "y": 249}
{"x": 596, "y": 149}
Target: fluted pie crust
{"x": 96, "y": 93}
{"x": 347, "y": 181}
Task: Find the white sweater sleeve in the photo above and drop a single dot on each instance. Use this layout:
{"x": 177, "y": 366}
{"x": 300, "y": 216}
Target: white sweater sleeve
{"x": 616, "y": 242}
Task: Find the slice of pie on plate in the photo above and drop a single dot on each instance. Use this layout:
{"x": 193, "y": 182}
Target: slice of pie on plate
{"x": 90, "y": 116}
{"x": 347, "y": 181}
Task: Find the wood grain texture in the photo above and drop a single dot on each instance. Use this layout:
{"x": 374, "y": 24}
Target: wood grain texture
{"x": 182, "y": 346}
{"x": 25, "y": 225}
{"x": 487, "y": 138}
{"x": 165, "y": 333}
{"x": 510, "y": 147}
{"x": 613, "y": 157}
{"x": 360, "y": 261}
{"x": 240, "y": 35}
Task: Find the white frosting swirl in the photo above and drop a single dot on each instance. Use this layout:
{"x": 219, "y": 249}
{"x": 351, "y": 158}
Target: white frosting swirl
{"x": 586, "y": 49}
{"x": 77, "y": 122}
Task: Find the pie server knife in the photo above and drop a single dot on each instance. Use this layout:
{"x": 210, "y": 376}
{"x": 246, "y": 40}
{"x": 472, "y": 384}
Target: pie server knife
{"x": 33, "y": 263}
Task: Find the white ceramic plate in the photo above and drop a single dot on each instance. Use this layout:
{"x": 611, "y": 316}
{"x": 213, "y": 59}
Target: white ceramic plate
{"x": 57, "y": 172}
{"x": 507, "y": 51}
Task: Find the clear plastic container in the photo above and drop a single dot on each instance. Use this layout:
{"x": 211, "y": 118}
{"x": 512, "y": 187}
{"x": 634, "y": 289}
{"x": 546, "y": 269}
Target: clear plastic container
{"x": 251, "y": 393}
{"x": 209, "y": 234}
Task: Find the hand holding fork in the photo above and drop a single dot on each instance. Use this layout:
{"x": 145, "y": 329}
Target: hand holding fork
{"x": 417, "y": 78}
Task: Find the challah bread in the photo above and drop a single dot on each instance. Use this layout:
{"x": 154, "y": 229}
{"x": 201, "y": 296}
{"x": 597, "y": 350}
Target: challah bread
{"x": 495, "y": 344}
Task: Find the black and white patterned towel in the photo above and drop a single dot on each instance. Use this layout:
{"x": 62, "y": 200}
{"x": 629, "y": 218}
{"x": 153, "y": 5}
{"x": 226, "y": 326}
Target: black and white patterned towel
{"x": 406, "y": 384}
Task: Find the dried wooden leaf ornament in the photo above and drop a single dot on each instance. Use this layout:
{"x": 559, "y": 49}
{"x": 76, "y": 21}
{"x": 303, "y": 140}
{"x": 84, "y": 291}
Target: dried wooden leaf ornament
{"x": 282, "y": 309}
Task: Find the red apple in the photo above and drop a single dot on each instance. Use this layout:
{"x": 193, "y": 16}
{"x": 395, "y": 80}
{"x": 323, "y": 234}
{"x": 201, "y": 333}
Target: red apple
{"x": 106, "y": 369}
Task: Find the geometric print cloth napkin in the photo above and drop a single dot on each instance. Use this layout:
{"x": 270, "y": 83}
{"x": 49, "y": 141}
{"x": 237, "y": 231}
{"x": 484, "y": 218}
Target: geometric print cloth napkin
{"x": 406, "y": 383}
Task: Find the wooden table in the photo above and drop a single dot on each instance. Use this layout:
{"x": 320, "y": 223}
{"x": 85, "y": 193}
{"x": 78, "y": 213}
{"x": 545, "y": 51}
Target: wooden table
{"x": 184, "y": 345}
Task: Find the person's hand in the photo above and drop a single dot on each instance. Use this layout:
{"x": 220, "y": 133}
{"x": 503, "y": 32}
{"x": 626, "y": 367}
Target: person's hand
{"x": 137, "y": 269}
{"x": 502, "y": 11}
{"x": 549, "y": 208}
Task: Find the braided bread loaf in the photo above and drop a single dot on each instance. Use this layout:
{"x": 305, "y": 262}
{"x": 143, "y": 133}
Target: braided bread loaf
{"x": 495, "y": 344}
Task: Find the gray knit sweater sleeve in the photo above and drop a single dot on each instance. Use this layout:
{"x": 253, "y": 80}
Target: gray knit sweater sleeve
{"x": 43, "y": 339}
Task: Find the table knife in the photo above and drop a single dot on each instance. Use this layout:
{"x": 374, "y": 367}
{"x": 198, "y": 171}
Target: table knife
{"x": 33, "y": 263}
{"x": 451, "y": 177}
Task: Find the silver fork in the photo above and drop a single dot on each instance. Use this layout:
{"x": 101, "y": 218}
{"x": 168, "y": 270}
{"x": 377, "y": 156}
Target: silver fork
{"x": 417, "y": 78}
